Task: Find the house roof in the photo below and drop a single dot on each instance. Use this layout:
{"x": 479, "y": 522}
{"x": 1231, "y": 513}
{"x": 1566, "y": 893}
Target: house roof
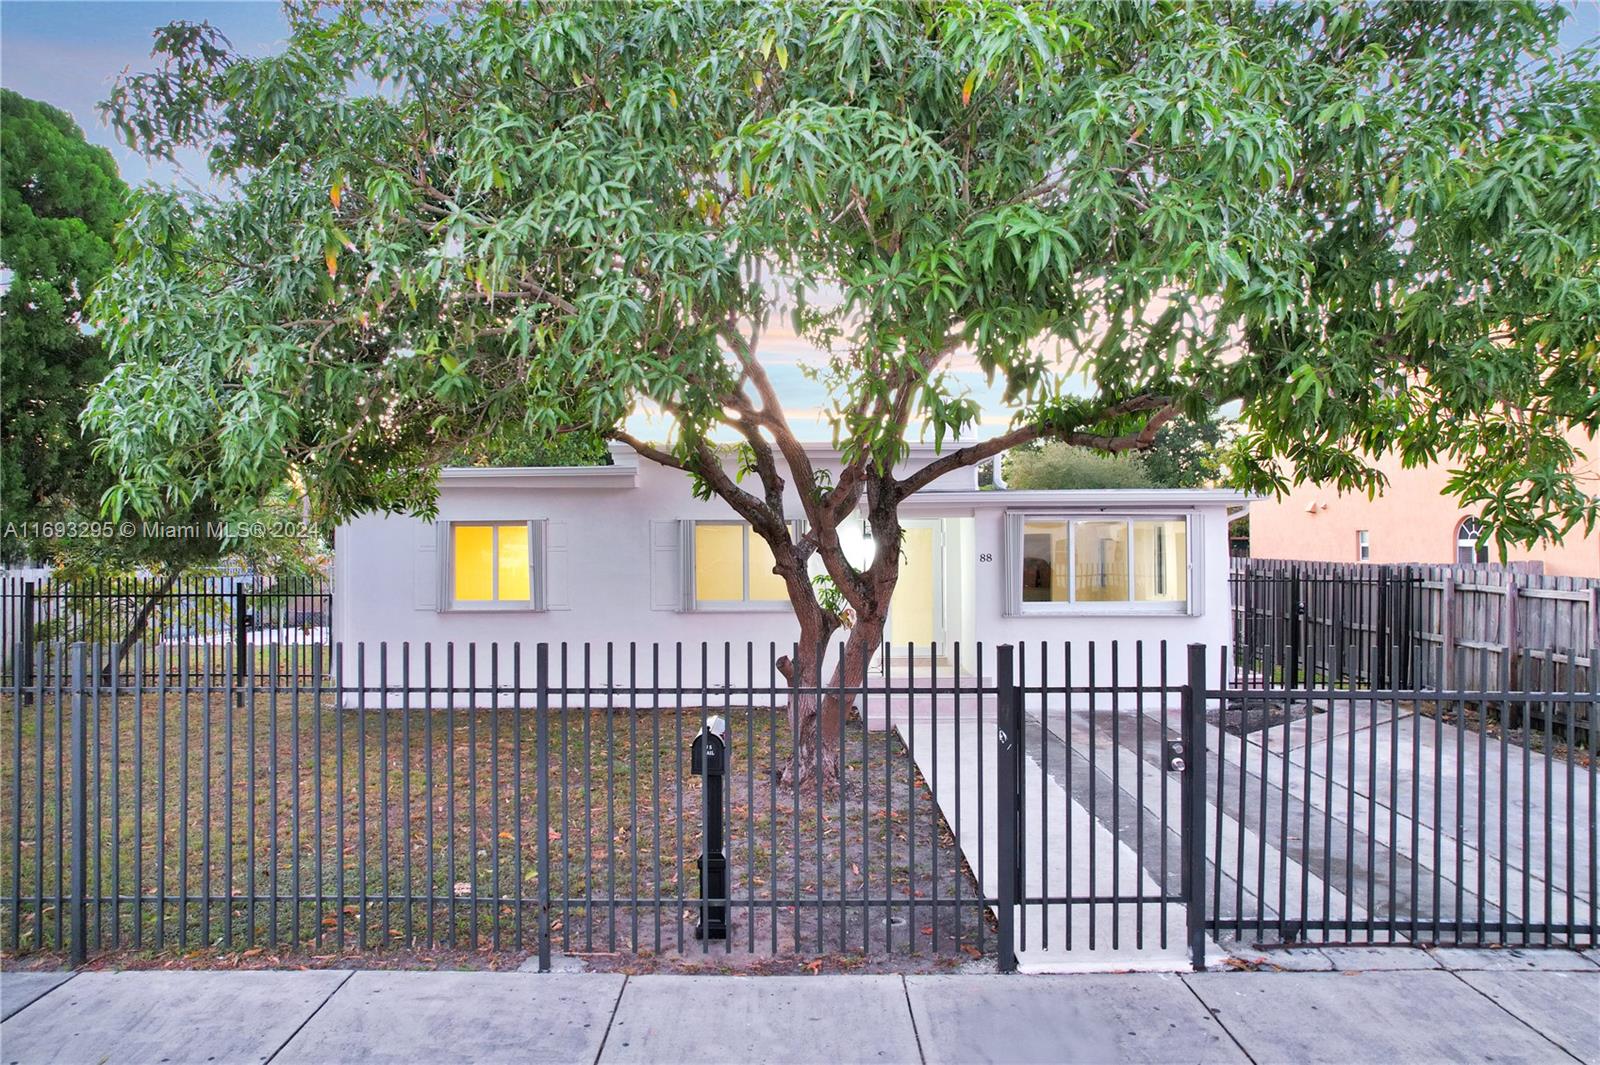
{"x": 816, "y": 448}
{"x": 625, "y": 474}
{"x": 622, "y": 475}
{"x": 1105, "y": 499}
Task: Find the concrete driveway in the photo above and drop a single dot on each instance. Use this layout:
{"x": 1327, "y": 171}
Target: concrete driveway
{"x": 1367, "y": 814}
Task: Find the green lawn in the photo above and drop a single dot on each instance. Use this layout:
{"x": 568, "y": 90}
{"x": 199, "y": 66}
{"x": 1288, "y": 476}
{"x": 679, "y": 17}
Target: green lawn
{"x": 289, "y": 822}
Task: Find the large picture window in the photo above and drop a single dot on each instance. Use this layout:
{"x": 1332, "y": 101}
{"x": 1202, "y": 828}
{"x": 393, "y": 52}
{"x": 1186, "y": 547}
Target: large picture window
{"x": 491, "y": 564}
{"x": 1067, "y": 564}
{"x": 733, "y": 568}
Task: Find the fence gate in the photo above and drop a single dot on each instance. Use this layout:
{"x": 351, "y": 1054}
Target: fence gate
{"x": 1391, "y": 813}
{"x": 1285, "y": 619}
{"x": 1100, "y": 794}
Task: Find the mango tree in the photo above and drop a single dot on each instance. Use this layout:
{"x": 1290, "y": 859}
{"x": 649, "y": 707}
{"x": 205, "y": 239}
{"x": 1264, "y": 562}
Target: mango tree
{"x": 1371, "y": 226}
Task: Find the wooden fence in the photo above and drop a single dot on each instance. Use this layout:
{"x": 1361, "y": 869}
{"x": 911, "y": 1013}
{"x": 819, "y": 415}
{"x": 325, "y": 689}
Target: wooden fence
{"x": 1455, "y": 626}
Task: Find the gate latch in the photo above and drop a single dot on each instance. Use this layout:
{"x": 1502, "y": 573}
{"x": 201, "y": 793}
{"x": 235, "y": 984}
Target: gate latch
{"x": 1174, "y": 755}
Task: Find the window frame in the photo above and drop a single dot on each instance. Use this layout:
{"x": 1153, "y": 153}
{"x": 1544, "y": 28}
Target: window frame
{"x": 1018, "y": 521}
{"x": 692, "y": 603}
{"x": 448, "y": 603}
{"x": 1363, "y": 545}
{"x": 1475, "y": 547}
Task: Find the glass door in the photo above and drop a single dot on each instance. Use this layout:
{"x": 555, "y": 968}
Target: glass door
{"x": 916, "y": 611}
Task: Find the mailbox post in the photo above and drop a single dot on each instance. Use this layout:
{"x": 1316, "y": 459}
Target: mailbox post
{"x": 241, "y": 643}
{"x": 709, "y": 761}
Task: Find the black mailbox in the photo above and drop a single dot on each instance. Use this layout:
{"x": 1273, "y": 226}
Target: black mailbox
{"x": 708, "y": 760}
{"x": 717, "y": 763}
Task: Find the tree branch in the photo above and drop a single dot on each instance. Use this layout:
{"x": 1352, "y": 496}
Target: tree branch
{"x": 973, "y": 454}
{"x": 649, "y": 451}
{"x": 708, "y": 466}
{"x": 970, "y": 455}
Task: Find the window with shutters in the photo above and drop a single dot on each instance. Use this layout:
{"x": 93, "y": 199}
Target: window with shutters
{"x": 731, "y": 569}
{"x": 492, "y": 565}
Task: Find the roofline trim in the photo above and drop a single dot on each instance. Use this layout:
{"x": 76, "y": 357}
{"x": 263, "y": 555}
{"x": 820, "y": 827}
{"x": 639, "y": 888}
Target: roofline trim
{"x": 619, "y": 476}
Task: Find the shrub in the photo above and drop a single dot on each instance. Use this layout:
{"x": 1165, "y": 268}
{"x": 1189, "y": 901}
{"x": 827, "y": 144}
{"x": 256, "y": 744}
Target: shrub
{"x": 1057, "y": 465}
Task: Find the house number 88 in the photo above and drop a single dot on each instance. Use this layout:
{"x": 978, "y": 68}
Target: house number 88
{"x": 985, "y": 557}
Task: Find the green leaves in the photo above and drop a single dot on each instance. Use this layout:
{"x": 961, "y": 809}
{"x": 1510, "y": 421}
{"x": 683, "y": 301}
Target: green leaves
{"x": 60, "y": 204}
{"x": 1372, "y": 226}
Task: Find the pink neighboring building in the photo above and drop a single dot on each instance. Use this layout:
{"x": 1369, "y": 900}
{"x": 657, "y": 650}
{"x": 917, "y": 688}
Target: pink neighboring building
{"x": 1413, "y": 521}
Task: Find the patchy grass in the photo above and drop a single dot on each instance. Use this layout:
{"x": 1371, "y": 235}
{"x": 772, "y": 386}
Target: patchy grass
{"x": 312, "y": 835}
{"x": 209, "y": 660}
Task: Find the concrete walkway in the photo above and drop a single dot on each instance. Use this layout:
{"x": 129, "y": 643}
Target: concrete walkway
{"x": 1072, "y": 848}
{"x": 1369, "y": 814}
{"x": 1401, "y": 1004}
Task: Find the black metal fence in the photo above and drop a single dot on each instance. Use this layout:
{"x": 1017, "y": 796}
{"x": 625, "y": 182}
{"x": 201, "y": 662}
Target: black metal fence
{"x": 1100, "y": 794}
{"x": 1032, "y": 804}
{"x": 1282, "y": 614}
{"x": 1394, "y": 813}
{"x": 213, "y": 616}
{"x": 502, "y": 796}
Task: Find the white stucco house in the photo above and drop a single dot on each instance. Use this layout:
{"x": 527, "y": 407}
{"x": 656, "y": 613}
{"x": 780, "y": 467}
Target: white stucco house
{"x": 625, "y": 554}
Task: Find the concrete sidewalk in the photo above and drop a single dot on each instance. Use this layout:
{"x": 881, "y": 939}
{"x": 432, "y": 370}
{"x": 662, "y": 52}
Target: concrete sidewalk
{"x": 1452, "y": 1006}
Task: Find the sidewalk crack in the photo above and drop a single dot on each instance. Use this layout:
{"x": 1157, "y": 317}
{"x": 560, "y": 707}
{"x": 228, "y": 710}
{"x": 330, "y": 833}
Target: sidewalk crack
{"x": 1503, "y": 1009}
{"x": 606, "y": 1035}
{"x": 46, "y": 994}
{"x": 1183, "y": 978}
{"x": 299, "y": 1027}
{"x": 905, "y": 989}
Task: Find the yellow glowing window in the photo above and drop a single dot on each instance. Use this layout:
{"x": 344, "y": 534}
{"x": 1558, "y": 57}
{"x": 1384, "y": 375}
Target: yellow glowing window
{"x": 764, "y": 584}
{"x": 733, "y": 565}
{"x": 719, "y": 563}
{"x": 492, "y": 563}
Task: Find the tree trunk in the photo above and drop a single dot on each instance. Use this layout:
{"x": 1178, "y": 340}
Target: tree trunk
{"x": 818, "y": 709}
{"x": 140, "y": 621}
{"x": 810, "y": 706}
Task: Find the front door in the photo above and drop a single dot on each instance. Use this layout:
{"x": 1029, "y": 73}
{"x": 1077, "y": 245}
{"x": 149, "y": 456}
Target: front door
{"x": 916, "y": 609}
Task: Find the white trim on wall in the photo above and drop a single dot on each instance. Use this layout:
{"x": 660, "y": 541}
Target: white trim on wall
{"x": 666, "y": 577}
{"x": 424, "y": 569}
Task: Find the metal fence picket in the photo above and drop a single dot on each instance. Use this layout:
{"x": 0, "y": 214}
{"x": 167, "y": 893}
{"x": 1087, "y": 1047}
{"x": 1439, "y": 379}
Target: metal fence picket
{"x": 1192, "y": 754}
{"x": 79, "y": 836}
{"x": 1008, "y": 803}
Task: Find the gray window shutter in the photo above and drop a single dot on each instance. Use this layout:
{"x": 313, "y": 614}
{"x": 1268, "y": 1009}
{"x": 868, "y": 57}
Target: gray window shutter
{"x": 664, "y": 566}
{"x": 427, "y": 560}
{"x": 1196, "y": 565}
{"x": 685, "y": 565}
{"x": 1011, "y": 563}
{"x": 551, "y": 584}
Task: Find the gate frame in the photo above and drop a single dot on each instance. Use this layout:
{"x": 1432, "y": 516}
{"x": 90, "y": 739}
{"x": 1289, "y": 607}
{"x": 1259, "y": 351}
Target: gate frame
{"x": 1008, "y": 804}
{"x": 1192, "y": 819}
{"x": 1187, "y": 757}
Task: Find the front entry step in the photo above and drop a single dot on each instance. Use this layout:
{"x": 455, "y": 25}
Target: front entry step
{"x": 925, "y": 692}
